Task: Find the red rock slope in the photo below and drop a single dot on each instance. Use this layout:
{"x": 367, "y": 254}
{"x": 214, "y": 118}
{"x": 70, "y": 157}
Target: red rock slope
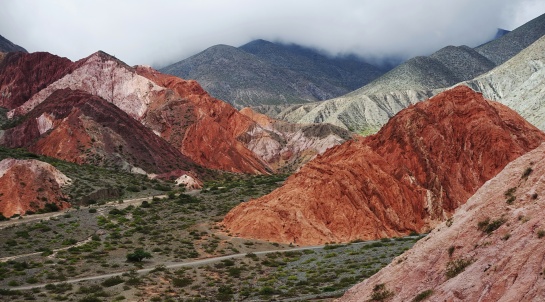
{"x": 209, "y": 130}
{"x": 76, "y": 126}
{"x": 504, "y": 258}
{"x": 27, "y": 185}
{"x": 22, "y": 75}
{"x": 411, "y": 175}
{"x": 202, "y": 128}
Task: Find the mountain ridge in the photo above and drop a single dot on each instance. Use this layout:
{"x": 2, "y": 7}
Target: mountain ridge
{"x": 366, "y": 109}
{"x": 262, "y": 72}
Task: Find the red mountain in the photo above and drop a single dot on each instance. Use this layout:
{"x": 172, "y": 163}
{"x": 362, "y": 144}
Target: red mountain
{"x": 424, "y": 163}
{"x": 201, "y": 127}
{"x": 76, "y": 126}
{"x": 208, "y": 131}
{"x": 204, "y": 128}
{"x": 22, "y": 75}
{"x": 28, "y": 185}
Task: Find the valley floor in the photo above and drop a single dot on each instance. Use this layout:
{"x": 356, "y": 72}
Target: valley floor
{"x": 80, "y": 255}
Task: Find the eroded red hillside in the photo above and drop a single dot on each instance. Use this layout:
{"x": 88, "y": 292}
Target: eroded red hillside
{"x": 210, "y": 127}
{"x": 75, "y": 126}
{"x": 22, "y": 75}
{"x": 28, "y": 185}
{"x": 202, "y": 128}
{"x": 408, "y": 177}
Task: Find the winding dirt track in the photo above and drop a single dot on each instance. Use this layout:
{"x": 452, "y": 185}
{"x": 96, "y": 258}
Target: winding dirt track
{"x": 168, "y": 266}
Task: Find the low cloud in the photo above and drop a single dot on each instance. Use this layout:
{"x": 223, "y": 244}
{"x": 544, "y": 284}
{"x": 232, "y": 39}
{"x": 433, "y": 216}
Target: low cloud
{"x": 161, "y": 32}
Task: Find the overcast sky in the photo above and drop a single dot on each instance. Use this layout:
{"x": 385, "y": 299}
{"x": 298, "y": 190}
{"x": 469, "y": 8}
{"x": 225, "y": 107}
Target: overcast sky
{"x": 158, "y": 32}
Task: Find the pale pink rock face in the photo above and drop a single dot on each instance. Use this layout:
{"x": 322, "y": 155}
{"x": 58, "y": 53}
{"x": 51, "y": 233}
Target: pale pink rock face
{"x": 507, "y": 264}
{"x": 105, "y": 78}
{"x": 283, "y": 144}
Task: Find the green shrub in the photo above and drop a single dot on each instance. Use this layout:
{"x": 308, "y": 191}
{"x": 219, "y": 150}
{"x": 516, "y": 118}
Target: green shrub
{"x": 90, "y": 299}
{"x": 9, "y": 292}
{"x": 527, "y": 172}
{"x": 112, "y": 281}
{"x": 225, "y": 293}
{"x": 181, "y": 282}
{"x": 59, "y": 288}
{"x": 455, "y": 267}
{"x": 451, "y": 250}
{"x": 138, "y": 255}
{"x": 381, "y": 293}
{"x": 488, "y": 226}
{"x": 266, "y": 291}
{"x": 423, "y": 295}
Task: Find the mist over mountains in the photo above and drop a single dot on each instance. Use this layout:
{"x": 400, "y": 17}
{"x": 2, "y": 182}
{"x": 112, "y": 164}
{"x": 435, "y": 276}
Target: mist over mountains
{"x": 238, "y": 161}
{"x": 262, "y": 72}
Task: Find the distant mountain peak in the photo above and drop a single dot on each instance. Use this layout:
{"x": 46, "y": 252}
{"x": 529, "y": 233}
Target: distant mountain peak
{"x": 264, "y": 72}
{"x": 103, "y": 57}
{"x": 8, "y": 46}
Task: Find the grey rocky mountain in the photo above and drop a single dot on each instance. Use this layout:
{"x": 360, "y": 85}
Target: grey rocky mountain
{"x": 518, "y": 83}
{"x": 504, "y": 48}
{"x": 262, "y": 72}
{"x": 366, "y": 109}
{"x": 8, "y": 46}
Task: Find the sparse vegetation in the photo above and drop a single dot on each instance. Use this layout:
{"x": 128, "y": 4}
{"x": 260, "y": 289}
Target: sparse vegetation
{"x": 488, "y": 226}
{"x": 423, "y": 295}
{"x": 138, "y": 255}
{"x": 451, "y": 250}
{"x": 455, "y": 267}
{"x": 380, "y": 293}
{"x": 112, "y": 281}
{"x": 527, "y": 173}
{"x": 509, "y": 195}
{"x": 175, "y": 230}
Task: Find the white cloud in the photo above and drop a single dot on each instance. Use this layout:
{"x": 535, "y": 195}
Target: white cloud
{"x": 164, "y": 31}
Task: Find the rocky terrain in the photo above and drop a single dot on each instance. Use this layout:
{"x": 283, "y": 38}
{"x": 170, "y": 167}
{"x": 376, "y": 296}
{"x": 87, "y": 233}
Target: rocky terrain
{"x": 203, "y": 130}
{"x": 508, "y": 45}
{"x": 76, "y": 126}
{"x": 518, "y": 83}
{"x": 262, "y": 72}
{"x": 490, "y": 250}
{"x": 286, "y": 146}
{"x": 29, "y": 186}
{"x": 110, "y": 79}
{"x": 23, "y": 75}
{"x": 8, "y": 46}
{"x": 428, "y": 160}
{"x": 365, "y": 110}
